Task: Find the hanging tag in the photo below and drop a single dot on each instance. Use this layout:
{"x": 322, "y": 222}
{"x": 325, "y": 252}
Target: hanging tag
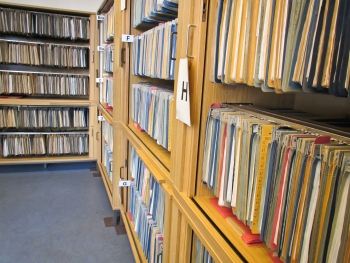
{"x": 124, "y": 183}
{"x": 100, "y": 17}
{"x": 183, "y": 94}
{"x": 127, "y": 38}
{"x": 101, "y": 118}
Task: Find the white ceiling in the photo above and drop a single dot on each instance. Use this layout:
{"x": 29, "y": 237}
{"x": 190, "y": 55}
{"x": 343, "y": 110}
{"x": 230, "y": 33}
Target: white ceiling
{"x": 89, "y": 6}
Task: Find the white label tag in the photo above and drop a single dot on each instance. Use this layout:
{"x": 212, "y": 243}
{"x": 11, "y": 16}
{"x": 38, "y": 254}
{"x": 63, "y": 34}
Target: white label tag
{"x": 101, "y": 118}
{"x": 124, "y": 183}
{"x": 122, "y": 4}
{"x": 100, "y": 17}
{"x": 127, "y": 38}
{"x": 99, "y": 80}
{"x": 183, "y": 94}
{"x": 100, "y": 48}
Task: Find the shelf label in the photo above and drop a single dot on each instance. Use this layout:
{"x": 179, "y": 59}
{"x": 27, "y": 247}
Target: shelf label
{"x": 183, "y": 94}
{"x": 100, "y": 17}
{"x": 124, "y": 183}
{"x": 101, "y": 118}
{"x": 100, "y": 48}
{"x": 122, "y": 5}
{"x": 127, "y": 38}
{"x": 99, "y": 80}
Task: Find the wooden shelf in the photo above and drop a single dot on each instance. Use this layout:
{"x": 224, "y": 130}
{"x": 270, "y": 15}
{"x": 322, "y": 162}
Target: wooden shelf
{"x": 44, "y": 102}
{"x": 108, "y": 114}
{"x": 106, "y": 181}
{"x": 133, "y": 239}
{"x": 252, "y": 253}
{"x": 53, "y": 159}
{"x": 158, "y": 151}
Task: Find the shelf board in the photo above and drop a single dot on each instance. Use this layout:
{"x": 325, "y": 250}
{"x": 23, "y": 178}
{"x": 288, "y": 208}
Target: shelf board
{"x": 133, "y": 239}
{"x": 252, "y": 253}
{"x": 108, "y": 114}
{"x": 106, "y": 181}
{"x": 46, "y": 159}
{"x": 158, "y": 151}
{"x": 44, "y": 102}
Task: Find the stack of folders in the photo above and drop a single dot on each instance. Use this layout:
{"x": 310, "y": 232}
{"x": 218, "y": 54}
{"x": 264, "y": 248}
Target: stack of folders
{"x": 107, "y": 132}
{"x": 283, "y": 46}
{"x": 38, "y": 24}
{"x": 152, "y": 109}
{"x": 34, "y": 84}
{"x": 290, "y": 187}
{"x": 147, "y": 200}
{"x": 43, "y": 118}
{"x": 43, "y": 54}
{"x": 154, "y": 52}
{"x": 16, "y": 145}
{"x": 149, "y": 13}
{"x": 108, "y": 25}
{"x": 108, "y": 55}
{"x": 107, "y": 92}
{"x": 202, "y": 254}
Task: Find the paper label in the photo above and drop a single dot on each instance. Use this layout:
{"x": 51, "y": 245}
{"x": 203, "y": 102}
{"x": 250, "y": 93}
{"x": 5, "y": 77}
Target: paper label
{"x": 100, "y": 17}
{"x": 124, "y": 183}
{"x": 127, "y": 38}
{"x": 100, "y": 48}
{"x": 183, "y": 94}
{"x": 99, "y": 80}
{"x": 122, "y": 5}
{"x": 101, "y": 118}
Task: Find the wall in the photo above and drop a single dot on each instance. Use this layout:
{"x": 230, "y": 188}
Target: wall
{"x": 87, "y": 6}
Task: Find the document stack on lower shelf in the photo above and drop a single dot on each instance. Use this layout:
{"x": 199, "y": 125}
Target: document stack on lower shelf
{"x": 107, "y": 132}
{"x": 290, "y": 186}
{"x": 108, "y": 58}
{"x": 106, "y": 93}
{"x": 152, "y": 110}
{"x": 108, "y": 25}
{"x": 43, "y": 144}
{"x": 154, "y": 52}
{"x": 147, "y": 209}
{"x": 283, "y": 46}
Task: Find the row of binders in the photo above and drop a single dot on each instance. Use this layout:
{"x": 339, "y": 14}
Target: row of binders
{"x": 43, "y": 118}
{"x": 108, "y": 58}
{"x": 147, "y": 206}
{"x": 148, "y": 13}
{"x": 38, "y": 24}
{"x": 43, "y": 54}
{"x": 34, "y": 84}
{"x": 292, "y": 188}
{"x": 152, "y": 110}
{"x": 154, "y": 52}
{"x": 108, "y": 25}
{"x": 106, "y": 93}
{"x": 107, "y": 132}
{"x": 283, "y": 46}
{"x": 20, "y": 145}
{"x": 202, "y": 254}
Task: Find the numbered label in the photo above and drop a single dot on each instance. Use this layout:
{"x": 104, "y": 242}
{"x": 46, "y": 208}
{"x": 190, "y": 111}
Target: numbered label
{"x": 99, "y": 80}
{"x": 124, "y": 183}
{"x": 100, "y": 17}
{"x": 100, "y": 48}
{"x": 101, "y": 118}
{"x": 127, "y": 38}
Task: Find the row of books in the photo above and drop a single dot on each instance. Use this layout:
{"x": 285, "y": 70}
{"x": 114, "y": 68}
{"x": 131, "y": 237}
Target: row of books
{"x": 43, "y": 54}
{"x": 153, "y": 51}
{"x": 108, "y": 25}
{"x": 16, "y": 145}
{"x": 148, "y": 13}
{"x": 106, "y": 93}
{"x": 108, "y": 132}
{"x": 38, "y": 24}
{"x": 202, "y": 254}
{"x": 147, "y": 205}
{"x": 283, "y": 46}
{"x": 108, "y": 58}
{"x": 290, "y": 187}
{"x": 32, "y": 84}
{"x": 152, "y": 108}
{"x": 43, "y": 117}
